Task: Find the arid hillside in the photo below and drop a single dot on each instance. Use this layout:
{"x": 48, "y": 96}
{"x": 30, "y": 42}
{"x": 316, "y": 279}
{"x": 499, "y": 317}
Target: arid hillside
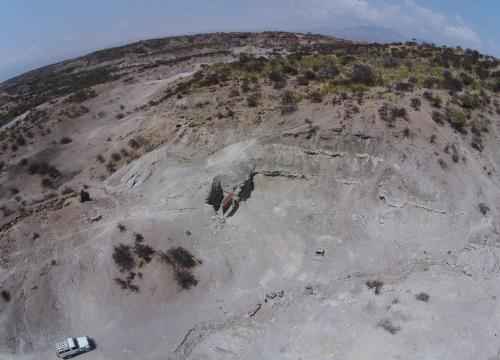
{"x": 361, "y": 179}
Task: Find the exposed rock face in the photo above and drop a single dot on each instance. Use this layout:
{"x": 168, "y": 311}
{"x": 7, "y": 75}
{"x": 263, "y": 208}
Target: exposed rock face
{"x": 359, "y": 233}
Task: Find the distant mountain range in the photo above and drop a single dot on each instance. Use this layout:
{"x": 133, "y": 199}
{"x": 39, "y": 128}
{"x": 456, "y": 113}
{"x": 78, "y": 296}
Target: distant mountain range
{"x": 363, "y": 33}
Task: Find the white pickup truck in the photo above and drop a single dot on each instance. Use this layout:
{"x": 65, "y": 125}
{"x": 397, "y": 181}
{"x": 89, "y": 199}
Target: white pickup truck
{"x": 67, "y": 348}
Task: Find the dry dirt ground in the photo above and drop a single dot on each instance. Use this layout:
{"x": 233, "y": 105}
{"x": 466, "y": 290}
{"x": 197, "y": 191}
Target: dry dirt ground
{"x": 354, "y": 242}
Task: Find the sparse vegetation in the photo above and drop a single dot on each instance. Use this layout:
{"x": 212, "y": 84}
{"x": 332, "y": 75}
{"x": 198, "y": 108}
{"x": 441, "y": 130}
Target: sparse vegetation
{"x": 134, "y": 144}
{"x": 185, "y": 279}
{"x": 422, "y": 297}
{"x": 5, "y": 295}
{"x": 84, "y": 196}
{"x": 388, "y": 326}
{"x": 457, "y": 119}
{"x": 43, "y": 169}
{"x": 47, "y": 183}
{"x": 288, "y": 103}
{"x": 123, "y": 258}
{"x": 143, "y": 251}
{"x": 363, "y": 74}
{"x": 483, "y": 208}
{"x": 65, "y": 140}
{"x": 416, "y": 103}
{"x": 182, "y": 262}
{"x": 252, "y": 100}
{"x": 179, "y": 257}
{"x": 375, "y": 285}
{"x": 81, "y": 96}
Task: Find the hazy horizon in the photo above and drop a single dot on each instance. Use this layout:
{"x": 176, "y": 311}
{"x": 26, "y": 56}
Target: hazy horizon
{"x": 35, "y": 34}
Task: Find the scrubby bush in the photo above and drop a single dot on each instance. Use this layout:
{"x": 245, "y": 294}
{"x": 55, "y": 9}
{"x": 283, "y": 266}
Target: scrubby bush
{"x": 179, "y": 258}
{"x": 143, "y": 251}
{"x": 47, "y": 183}
{"x": 422, "y": 297}
{"x": 84, "y": 196}
{"x": 116, "y": 156}
{"x": 443, "y": 164}
{"x": 434, "y": 100}
{"x": 416, "y": 103}
{"x": 20, "y": 141}
{"x": 23, "y": 162}
{"x": 44, "y": 168}
{"x": 185, "y": 279}
{"x": 451, "y": 83}
{"x": 182, "y": 262}
{"x": 302, "y": 81}
{"x": 363, "y": 74}
{"x": 375, "y": 285}
{"x": 470, "y": 101}
{"x": 5, "y": 295}
{"x": 122, "y": 283}
{"x": 252, "y": 100}
{"x": 287, "y": 102}
{"x": 403, "y": 87}
{"x": 315, "y": 97}
{"x": 310, "y": 75}
{"x": 399, "y": 113}
{"x": 466, "y": 79}
{"x": 388, "y": 326}
{"x": 234, "y": 93}
{"x": 276, "y": 76}
{"x": 484, "y": 209}
{"x": 457, "y": 119}
{"x": 326, "y": 70}
{"x": 438, "y": 117}
{"x": 389, "y": 62}
{"x": 134, "y": 144}
{"x": 101, "y": 159}
{"x": 430, "y": 82}
{"x": 123, "y": 258}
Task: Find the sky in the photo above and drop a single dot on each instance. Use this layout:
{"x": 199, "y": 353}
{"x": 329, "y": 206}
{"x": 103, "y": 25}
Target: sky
{"x": 34, "y": 33}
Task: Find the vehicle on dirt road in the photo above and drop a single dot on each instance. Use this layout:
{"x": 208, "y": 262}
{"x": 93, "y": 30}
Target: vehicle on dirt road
{"x": 67, "y": 348}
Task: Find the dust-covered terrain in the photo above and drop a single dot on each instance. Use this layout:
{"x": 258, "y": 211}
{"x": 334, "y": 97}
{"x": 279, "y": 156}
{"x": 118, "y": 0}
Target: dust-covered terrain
{"x": 367, "y": 194}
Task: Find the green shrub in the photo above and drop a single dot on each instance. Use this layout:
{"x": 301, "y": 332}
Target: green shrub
{"x": 416, "y": 103}
{"x": 457, "y": 119}
{"x": 315, "y": 97}
{"x": 363, "y": 74}
{"x": 470, "y": 101}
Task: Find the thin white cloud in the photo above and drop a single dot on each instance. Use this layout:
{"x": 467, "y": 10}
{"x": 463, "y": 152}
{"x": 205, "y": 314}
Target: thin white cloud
{"x": 439, "y": 24}
{"x": 407, "y": 16}
{"x": 122, "y": 24}
{"x": 69, "y": 37}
